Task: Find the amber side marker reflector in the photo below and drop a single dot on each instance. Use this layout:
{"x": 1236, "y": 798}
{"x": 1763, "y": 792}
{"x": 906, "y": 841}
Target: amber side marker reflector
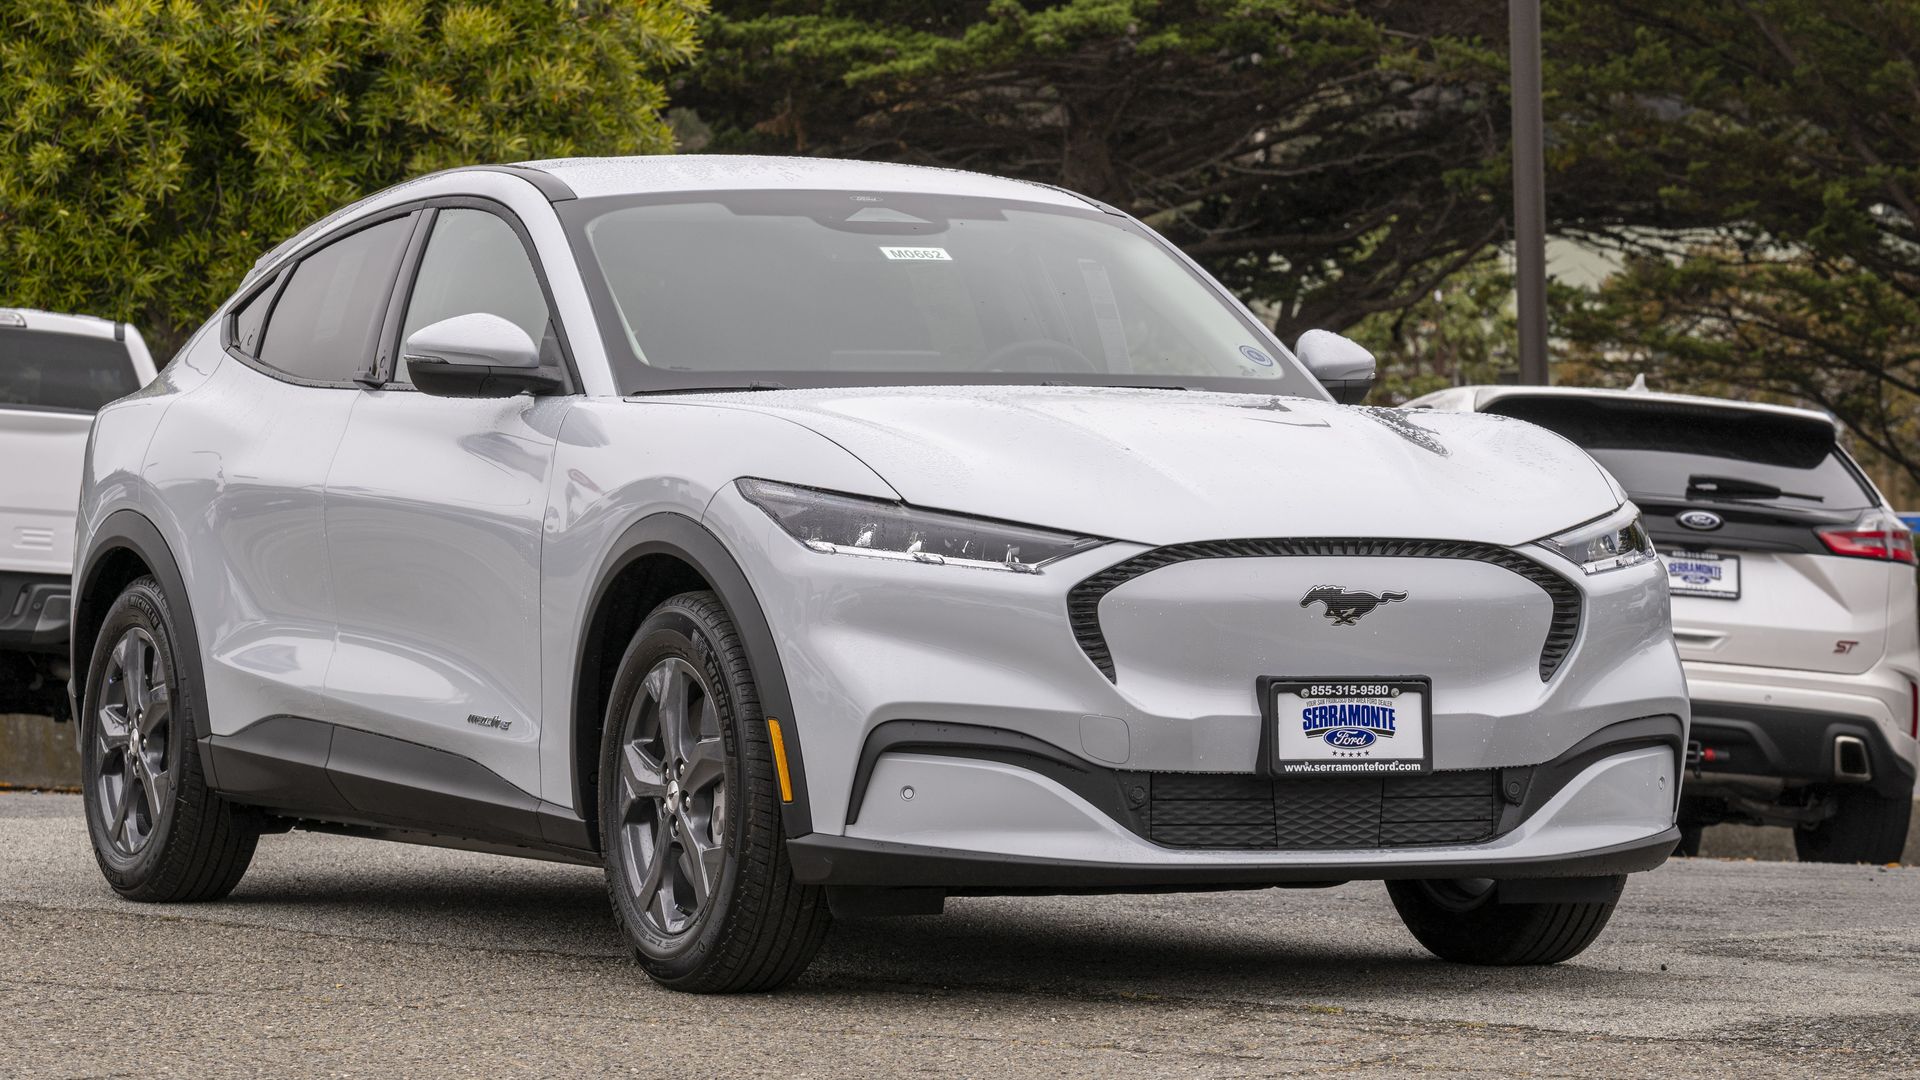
{"x": 780, "y": 759}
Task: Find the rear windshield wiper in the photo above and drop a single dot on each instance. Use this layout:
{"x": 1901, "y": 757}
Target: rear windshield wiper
{"x": 1734, "y": 489}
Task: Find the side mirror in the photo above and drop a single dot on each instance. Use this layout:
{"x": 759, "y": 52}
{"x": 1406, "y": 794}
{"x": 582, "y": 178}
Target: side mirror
{"x": 476, "y": 355}
{"x": 1341, "y": 364}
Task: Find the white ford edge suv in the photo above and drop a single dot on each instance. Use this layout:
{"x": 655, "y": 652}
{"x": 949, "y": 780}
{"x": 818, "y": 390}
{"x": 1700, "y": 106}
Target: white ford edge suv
{"x": 800, "y": 536}
{"x": 55, "y": 372}
{"x": 1794, "y": 607}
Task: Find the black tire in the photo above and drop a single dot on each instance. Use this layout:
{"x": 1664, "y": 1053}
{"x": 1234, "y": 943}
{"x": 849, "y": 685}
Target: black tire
{"x": 165, "y": 838}
{"x": 1866, "y": 827}
{"x": 1459, "y": 921}
{"x": 1689, "y": 845}
{"x": 749, "y": 926}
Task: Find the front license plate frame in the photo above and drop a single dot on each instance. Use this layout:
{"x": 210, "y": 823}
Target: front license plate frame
{"x": 1727, "y": 563}
{"x": 1293, "y": 755}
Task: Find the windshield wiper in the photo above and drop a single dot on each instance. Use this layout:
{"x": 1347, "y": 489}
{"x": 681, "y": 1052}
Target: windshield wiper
{"x": 1734, "y": 489}
{"x": 757, "y": 384}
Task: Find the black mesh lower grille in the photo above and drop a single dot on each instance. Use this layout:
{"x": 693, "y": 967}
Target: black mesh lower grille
{"x": 1083, "y": 600}
{"x": 1197, "y": 810}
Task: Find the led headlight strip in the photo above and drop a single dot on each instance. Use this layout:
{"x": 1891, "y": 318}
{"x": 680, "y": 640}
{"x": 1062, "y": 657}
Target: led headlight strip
{"x": 1607, "y": 543}
{"x": 831, "y": 522}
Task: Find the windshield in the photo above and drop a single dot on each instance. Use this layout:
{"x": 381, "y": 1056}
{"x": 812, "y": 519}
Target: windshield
{"x": 829, "y": 288}
{"x": 63, "y": 372}
{"x": 1668, "y": 450}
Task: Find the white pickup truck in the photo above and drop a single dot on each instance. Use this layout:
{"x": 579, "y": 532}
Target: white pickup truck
{"x": 55, "y": 373}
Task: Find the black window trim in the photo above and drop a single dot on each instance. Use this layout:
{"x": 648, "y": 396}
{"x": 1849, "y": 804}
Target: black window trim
{"x": 387, "y": 356}
{"x": 282, "y": 273}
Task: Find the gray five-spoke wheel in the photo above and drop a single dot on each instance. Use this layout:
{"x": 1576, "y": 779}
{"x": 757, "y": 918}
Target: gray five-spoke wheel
{"x": 135, "y": 769}
{"x": 672, "y": 798}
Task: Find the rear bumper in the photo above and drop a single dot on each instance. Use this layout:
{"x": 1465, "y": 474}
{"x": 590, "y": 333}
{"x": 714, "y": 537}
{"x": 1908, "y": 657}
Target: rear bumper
{"x": 1732, "y": 742}
{"x": 35, "y": 611}
{"x": 1780, "y": 724}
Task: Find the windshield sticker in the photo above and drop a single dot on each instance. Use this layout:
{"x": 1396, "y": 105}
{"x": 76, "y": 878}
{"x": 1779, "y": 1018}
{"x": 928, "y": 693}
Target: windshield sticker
{"x": 1256, "y": 356}
{"x": 917, "y": 254}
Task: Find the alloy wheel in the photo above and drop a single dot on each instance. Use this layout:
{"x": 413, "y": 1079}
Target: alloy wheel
{"x": 132, "y": 735}
{"x": 672, "y": 798}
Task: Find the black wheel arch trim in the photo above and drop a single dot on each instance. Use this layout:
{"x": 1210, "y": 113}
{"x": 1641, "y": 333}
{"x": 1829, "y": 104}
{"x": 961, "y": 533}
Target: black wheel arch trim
{"x": 677, "y": 535}
{"x": 129, "y": 530}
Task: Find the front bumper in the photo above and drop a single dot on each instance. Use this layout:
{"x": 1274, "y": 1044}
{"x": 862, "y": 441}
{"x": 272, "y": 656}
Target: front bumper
{"x": 35, "y": 610}
{"x": 870, "y": 644}
{"x": 979, "y": 809}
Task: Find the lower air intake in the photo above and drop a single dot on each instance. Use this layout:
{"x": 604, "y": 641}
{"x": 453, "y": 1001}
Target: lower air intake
{"x": 1195, "y": 810}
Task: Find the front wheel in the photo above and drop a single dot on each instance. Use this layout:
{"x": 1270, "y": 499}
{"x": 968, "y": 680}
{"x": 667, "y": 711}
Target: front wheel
{"x": 696, "y": 858}
{"x": 1866, "y": 827}
{"x": 1461, "y": 920}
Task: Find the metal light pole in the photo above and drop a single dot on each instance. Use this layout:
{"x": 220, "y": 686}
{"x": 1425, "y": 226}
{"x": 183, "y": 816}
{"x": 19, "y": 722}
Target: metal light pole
{"x": 1529, "y": 189}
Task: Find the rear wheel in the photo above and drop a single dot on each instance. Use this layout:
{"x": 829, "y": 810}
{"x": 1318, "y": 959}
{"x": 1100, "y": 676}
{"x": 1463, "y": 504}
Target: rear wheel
{"x": 1460, "y": 920}
{"x": 690, "y": 812}
{"x": 159, "y": 834}
{"x": 1866, "y": 827}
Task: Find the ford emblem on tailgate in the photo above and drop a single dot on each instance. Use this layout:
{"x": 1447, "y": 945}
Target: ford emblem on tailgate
{"x": 1700, "y": 519}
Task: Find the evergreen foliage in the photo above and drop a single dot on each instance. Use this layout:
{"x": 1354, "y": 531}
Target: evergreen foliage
{"x": 151, "y": 150}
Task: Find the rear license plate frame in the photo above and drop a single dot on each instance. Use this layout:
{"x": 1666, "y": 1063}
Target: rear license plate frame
{"x": 1722, "y": 560}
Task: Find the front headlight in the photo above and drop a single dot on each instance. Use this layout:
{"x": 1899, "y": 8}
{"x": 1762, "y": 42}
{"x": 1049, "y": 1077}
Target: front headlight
{"x": 1607, "y": 543}
{"x": 828, "y": 521}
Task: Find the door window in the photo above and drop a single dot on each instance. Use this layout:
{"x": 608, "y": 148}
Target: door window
{"x": 474, "y": 262}
{"x": 327, "y": 320}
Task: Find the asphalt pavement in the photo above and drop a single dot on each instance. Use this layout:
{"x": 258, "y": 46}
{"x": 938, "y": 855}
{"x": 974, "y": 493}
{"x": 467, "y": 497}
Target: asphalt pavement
{"x": 339, "y": 956}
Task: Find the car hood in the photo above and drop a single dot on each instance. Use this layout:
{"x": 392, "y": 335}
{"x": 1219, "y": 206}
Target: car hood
{"x": 1168, "y": 466}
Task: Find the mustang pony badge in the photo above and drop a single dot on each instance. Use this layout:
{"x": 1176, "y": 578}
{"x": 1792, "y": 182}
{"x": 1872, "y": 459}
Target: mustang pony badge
{"x": 1347, "y": 608}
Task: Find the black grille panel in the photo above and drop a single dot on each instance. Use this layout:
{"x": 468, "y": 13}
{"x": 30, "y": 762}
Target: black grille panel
{"x": 1083, "y": 600}
{"x": 1198, "y": 810}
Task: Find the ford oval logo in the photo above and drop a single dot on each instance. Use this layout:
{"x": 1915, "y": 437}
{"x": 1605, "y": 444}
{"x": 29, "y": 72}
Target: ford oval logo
{"x": 1349, "y": 738}
{"x": 1700, "y": 519}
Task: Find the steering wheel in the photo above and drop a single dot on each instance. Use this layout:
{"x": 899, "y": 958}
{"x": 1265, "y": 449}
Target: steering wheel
{"x": 1019, "y": 356}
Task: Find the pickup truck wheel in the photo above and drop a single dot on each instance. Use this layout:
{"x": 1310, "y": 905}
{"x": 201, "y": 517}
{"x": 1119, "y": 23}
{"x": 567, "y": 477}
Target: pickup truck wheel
{"x": 1459, "y": 920}
{"x": 159, "y": 834}
{"x": 696, "y": 857}
{"x": 1866, "y": 827}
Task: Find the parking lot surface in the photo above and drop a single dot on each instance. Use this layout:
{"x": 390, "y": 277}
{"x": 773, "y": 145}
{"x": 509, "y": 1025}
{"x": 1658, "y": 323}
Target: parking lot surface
{"x": 348, "y": 957}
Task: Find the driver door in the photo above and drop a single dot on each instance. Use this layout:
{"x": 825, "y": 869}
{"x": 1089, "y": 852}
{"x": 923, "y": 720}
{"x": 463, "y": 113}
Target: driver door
{"x": 434, "y": 518}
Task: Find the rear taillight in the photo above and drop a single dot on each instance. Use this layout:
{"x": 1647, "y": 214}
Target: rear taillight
{"x": 1913, "y": 721}
{"x": 1889, "y": 544}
